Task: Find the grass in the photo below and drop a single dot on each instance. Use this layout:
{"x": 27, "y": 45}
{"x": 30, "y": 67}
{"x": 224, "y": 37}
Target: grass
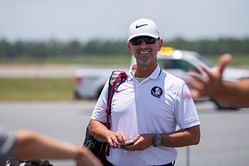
{"x": 93, "y": 60}
{"x": 238, "y": 60}
{"x": 123, "y": 60}
{"x": 47, "y": 88}
{"x": 62, "y": 88}
{"x": 76, "y": 59}
{"x": 36, "y": 88}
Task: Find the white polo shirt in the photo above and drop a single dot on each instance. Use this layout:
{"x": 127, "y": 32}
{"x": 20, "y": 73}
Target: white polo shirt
{"x": 155, "y": 105}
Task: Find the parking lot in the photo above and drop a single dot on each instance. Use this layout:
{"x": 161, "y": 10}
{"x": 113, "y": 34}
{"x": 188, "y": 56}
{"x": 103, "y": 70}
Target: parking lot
{"x": 224, "y": 135}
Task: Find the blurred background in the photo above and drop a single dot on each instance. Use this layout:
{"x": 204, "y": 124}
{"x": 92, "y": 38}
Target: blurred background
{"x": 43, "y": 44}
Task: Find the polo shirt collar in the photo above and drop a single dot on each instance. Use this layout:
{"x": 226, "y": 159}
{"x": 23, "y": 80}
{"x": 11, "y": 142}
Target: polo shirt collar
{"x": 154, "y": 75}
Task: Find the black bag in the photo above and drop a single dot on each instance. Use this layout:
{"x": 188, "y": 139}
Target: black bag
{"x": 96, "y": 147}
{"x": 101, "y": 149}
{"x": 28, "y": 163}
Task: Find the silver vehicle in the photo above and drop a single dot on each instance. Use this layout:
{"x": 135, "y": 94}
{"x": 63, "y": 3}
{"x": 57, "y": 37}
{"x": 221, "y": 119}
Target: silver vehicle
{"x": 177, "y": 62}
{"x": 181, "y": 62}
{"x": 90, "y": 82}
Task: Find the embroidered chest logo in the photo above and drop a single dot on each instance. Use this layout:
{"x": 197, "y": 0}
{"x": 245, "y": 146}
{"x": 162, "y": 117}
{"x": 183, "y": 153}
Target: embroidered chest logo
{"x": 156, "y": 91}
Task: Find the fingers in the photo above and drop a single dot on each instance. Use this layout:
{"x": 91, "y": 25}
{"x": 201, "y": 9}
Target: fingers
{"x": 139, "y": 144}
{"x": 207, "y": 73}
{"x": 133, "y": 146}
{"x": 196, "y": 81}
{"x": 223, "y": 62}
{"x": 195, "y": 86}
{"x": 195, "y": 94}
{"x": 196, "y": 77}
{"x": 115, "y": 139}
{"x": 207, "y": 83}
{"x": 135, "y": 139}
{"x": 120, "y": 137}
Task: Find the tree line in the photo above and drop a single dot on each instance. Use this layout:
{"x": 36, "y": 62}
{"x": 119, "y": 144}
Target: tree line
{"x": 43, "y": 49}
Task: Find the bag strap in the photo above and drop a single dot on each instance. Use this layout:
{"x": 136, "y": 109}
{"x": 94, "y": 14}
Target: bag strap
{"x": 117, "y": 78}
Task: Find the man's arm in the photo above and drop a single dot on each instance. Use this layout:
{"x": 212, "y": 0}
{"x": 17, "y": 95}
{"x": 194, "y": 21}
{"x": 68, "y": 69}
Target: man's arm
{"x": 98, "y": 130}
{"x": 180, "y": 138}
{"x": 234, "y": 93}
{"x": 184, "y": 137}
{"x": 103, "y": 134}
{"x": 31, "y": 145}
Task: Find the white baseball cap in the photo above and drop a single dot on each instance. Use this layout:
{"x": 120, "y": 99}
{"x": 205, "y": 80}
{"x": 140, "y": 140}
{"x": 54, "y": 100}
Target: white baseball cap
{"x": 143, "y": 27}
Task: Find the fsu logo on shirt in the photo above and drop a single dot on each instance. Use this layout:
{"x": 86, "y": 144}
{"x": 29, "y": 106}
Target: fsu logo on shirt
{"x": 156, "y": 91}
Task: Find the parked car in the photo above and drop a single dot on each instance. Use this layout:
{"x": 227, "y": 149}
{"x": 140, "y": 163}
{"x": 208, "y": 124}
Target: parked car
{"x": 180, "y": 62}
{"x": 89, "y": 83}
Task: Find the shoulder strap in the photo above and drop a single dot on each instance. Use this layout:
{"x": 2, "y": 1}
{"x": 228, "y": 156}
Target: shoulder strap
{"x": 117, "y": 78}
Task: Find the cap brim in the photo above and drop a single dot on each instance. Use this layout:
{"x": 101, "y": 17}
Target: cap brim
{"x": 143, "y": 34}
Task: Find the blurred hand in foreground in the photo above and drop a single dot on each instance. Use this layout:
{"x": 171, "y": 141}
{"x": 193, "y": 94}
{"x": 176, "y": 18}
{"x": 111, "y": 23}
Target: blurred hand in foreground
{"x": 210, "y": 84}
{"x": 235, "y": 93}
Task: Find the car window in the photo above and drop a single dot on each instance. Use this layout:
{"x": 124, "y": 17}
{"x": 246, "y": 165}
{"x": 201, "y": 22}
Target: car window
{"x": 205, "y": 61}
{"x": 177, "y": 64}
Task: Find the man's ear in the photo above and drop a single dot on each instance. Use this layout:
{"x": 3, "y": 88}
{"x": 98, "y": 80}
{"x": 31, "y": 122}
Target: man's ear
{"x": 129, "y": 45}
{"x": 160, "y": 44}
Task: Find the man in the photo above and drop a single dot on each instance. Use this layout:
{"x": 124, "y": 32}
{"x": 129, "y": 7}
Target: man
{"x": 147, "y": 108}
{"x": 212, "y": 85}
{"x": 28, "y": 145}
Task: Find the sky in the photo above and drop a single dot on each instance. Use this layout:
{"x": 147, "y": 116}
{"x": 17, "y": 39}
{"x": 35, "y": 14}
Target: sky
{"x": 109, "y": 19}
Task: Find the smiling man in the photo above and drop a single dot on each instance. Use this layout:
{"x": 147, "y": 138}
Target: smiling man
{"x": 150, "y": 105}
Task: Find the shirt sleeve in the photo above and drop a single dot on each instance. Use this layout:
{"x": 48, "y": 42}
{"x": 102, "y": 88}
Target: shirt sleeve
{"x": 185, "y": 110}
{"x": 99, "y": 113}
{"x": 7, "y": 143}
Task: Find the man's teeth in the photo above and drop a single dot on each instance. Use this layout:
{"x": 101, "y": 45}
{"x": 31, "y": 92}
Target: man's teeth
{"x": 144, "y": 52}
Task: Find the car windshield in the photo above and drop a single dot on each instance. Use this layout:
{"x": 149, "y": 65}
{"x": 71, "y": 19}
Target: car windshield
{"x": 204, "y": 60}
{"x": 177, "y": 64}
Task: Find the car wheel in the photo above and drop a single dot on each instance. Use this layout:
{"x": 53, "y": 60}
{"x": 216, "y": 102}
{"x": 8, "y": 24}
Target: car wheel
{"x": 99, "y": 92}
{"x": 76, "y": 95}
{"x": 222, "y": 106}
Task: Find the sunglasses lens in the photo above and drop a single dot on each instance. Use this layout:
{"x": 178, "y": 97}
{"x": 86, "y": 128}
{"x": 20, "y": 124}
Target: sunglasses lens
{"x": 150, "y": 40}
{"x": 138, "y": 40}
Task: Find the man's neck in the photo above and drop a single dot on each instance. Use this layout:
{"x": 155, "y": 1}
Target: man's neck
{"x": 144, "y": 71}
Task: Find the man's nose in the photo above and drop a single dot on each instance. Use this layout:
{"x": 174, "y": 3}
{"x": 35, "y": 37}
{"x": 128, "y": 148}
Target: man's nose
{"x": 143, "y": 44}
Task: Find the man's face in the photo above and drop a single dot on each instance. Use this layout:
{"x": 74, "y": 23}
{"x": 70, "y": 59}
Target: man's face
{"x": 145, "y": 49}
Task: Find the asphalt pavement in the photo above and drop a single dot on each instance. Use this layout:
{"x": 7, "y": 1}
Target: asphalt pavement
{"x": 224, "y": 134}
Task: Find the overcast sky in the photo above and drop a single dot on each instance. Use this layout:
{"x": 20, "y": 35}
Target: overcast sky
{"x": 110, "y": 19}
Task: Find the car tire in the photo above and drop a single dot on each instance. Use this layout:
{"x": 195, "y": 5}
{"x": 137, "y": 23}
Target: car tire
{"x": 99, "y": 92}
{"x": 223, "y": 107}
{"x": 76, "y": 95}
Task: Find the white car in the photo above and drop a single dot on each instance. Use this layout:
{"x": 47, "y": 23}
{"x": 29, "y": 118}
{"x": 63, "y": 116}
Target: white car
{"x": 181, "y": 62}
{"x": 90, "y": 82}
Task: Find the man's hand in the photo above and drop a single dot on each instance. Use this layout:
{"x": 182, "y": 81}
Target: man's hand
{"x": 211, "y": 83}
{"x": 141, "y": 142}
{"x": 115, "y": 139}
{"x": 103, "y": 134}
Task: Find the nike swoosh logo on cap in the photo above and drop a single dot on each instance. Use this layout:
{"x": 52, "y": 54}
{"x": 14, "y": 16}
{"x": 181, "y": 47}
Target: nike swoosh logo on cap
{"x": 138, "y": 26}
